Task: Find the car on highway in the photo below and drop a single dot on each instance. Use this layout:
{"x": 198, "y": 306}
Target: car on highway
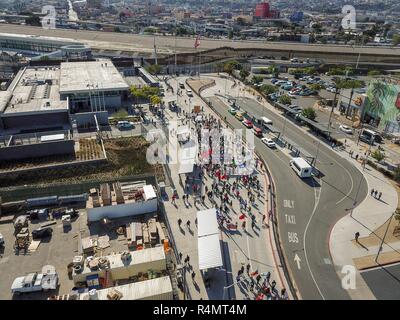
{"x": 269, "y": 142}
{"x": 239, "y": 115}
{"x": 232, "y": 111}
{"x": 124, "y": 125}
{"x": 189, "y": 93}
{"x": 247, "y": 123}
{"x": 258, "y": 132}
{"x": 345, "y": 129}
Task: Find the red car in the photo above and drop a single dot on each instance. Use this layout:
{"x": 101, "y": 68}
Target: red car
{"x": 258, "y": 132}
{"x": 248, "y": 123}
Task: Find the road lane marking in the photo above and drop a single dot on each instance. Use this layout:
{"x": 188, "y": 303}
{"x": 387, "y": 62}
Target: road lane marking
{"x": 290, "y": 219}
{"x": 288, "y": 204}
{"x": 293, "y": 238}
{"x": 297, "y": 260}
{"x": 317, "y": 198}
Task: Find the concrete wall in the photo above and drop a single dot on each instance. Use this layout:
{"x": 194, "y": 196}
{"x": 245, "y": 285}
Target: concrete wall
{"x": 37, "y": 150}
{"x": 40, "y": 119}
{"x": 87, "y": 118}
{"x": 122, "y": 210}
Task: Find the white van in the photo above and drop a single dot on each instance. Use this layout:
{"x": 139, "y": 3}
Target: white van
{"x": 301, "y": 167}
{"x": 265, "y": 121}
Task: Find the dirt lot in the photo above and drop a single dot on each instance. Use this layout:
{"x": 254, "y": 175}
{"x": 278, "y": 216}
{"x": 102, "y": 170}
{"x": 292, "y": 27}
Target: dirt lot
{"x": 58, "y": 251}
{"x": 126, "y": 156}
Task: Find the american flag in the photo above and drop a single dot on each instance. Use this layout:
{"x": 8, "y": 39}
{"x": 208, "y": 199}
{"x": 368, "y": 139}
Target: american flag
{"x": 197, "y": 42}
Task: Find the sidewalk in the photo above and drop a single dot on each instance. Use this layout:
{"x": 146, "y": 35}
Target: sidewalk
{"x": 238, "y": 248}
{"x": 368, "y": 219}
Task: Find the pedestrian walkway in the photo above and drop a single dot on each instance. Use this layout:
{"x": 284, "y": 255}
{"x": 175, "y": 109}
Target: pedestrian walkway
{"x": 241, "y": 246}
{"x": 367, "y": 223}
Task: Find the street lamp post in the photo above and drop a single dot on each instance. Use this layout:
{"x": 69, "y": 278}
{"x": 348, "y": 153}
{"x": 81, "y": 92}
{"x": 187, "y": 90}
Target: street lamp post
{"x": 383, "y": 238}
{"x": 333, "y": 107}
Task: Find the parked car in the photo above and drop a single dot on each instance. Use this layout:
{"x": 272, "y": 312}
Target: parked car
{"x": 1, "y": 240}
{"x": 189, "y": 93}
{"x": 40, "y": 232}
{"x": 331, "y": 89}
{"x": 269, "y": 142}
{"x": 345, "y": 129}
{"x": 35, "y": 282}
{"x": 121, "y": 125}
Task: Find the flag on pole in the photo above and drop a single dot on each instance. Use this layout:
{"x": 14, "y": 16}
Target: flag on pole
{"x": 197, "y": 42}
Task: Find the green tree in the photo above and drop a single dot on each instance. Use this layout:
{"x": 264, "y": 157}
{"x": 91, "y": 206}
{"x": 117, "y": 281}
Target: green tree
{"x": 374, "y": 73}
{"x": 349, "y": 84}
{"x": 154, "y": 69}
{"x": 155, "y": 100}
{"x": 309, "y": 113}
{"x": 378, "y": 155}
{"x": 33, "y": 20}
{"x": 396, "y": 39}
{"x": 257, "y": 79}
{"x": 285, "y": 99}
{"x": 274, "y": 70}
{"x": 316, "y": 86}
{"x": 145, "y": 92}
{"x": 229, "y": 66}
{"x": 244, "y": 74}
{"x": 268, "y": 89}
{"x": 230, "y": 34}
{"x": 121, "y": 114}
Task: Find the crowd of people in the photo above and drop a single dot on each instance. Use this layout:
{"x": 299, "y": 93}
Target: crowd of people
{"x": 225, "y": 190}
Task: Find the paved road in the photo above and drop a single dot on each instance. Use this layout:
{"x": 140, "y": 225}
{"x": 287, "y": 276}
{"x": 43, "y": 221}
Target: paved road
{"x": 166, "y": 43}
{"x": 384, "y": 282}
{"x": 316, "y": 204}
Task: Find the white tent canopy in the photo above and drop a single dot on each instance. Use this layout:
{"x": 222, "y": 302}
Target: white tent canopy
{"x": 209, "y": 252}
{"x": 207, "y": 222}
{"x": 185, "y": 168}
{"x": 209, "y": 248}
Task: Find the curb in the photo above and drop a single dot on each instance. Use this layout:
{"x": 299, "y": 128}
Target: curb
{"x": 282, "y": 257}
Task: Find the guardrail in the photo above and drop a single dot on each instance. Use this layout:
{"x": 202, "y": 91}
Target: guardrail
{"x": 273, "y": 205}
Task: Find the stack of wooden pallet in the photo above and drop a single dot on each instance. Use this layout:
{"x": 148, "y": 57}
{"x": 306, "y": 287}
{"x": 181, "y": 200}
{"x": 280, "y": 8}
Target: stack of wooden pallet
{"x": 105, "y": 192}
{"x": 119, "y": 197}
{"x": 95, "y": 197}
{"x": 152, "y": 227}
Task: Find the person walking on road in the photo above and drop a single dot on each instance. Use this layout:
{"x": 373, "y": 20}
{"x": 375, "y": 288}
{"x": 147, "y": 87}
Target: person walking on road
{"x": 356, "y": 236}
{"x": 188, "y": 224}
{"x": 179, "y": 222}
{"x": 248, "y": 268}
{"x": 380, "y": 195}
{"x": 375, "y": 193}
{"x": 372, "y": 192}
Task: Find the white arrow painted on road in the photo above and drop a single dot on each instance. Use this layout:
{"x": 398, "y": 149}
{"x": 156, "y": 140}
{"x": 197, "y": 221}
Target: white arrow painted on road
{"x": 297, "y": 259}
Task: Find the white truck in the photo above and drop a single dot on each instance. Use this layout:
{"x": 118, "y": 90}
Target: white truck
{"x": 301, "y": 167}
{"x": 34, "y": 281}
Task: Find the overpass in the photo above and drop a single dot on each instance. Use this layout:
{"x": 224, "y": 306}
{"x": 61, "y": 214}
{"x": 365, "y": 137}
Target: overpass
{"x": 210, "y": 49}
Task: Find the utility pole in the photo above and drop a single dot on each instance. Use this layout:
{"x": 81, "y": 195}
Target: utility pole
{"x": 330, "y": 115}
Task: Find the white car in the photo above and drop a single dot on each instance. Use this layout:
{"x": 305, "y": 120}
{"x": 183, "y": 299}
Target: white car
{"x": 269, "y": 142}
{"x": 346, "y": 129}
{"x": 121, "y": 125}
{"x": 331, "y": 89}
{"x": 189, "y": 93}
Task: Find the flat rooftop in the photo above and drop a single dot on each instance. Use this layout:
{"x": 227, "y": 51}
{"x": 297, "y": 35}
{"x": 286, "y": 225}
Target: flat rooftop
{"x": 34, "y": 89}
{"x": 79, "y": 77}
